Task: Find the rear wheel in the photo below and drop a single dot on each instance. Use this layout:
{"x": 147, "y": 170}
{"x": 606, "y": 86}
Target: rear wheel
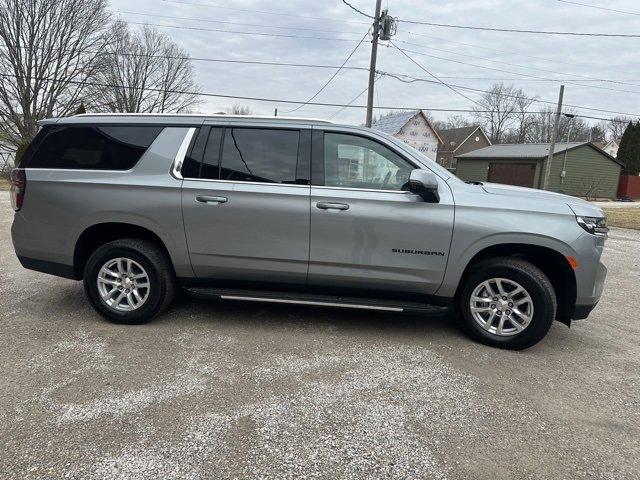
{"x": 129, "y": 281}
{"x": 507, "y": 303}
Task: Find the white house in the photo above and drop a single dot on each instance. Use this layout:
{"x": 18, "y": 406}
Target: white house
{"x": 611, "y": 147}
{"x": 414, "y": 129}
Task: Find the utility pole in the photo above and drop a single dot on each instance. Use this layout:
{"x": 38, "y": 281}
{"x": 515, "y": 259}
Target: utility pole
{"x": 552, "y": 146}
{"x": 372, "y": 65}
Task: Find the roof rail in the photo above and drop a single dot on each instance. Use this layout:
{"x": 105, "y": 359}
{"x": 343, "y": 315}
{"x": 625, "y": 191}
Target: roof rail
{"x": 204, "y": 115}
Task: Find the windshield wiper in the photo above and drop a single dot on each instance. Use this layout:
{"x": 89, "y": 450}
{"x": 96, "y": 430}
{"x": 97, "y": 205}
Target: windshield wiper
{"x": 474, "y": 182}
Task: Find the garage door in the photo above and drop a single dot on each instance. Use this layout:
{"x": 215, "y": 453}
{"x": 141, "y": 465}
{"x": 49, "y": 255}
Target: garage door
{"x": 520, "y": 174}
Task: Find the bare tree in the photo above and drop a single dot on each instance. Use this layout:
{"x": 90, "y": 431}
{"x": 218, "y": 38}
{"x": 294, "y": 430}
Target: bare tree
{"x": 498, "y": 110}
{"x": 615, "y": 127}
{"x": 454, "y": 121}
{"x": 48, "y": 49}
{"x": 143, "y": 71}
{"x": 240, "y": 110}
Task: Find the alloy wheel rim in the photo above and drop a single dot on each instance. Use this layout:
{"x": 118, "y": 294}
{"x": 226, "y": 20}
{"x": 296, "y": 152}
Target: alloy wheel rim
{"x": 501, "y": 306}
{"x": 123, "y": 284}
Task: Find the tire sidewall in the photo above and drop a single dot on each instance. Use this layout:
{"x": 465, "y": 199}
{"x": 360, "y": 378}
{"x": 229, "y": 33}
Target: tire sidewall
{"x": 156, "y": 290}
{"x": 543, "y": 306}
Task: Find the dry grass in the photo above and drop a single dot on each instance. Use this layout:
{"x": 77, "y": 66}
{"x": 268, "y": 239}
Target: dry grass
{"x": 623, "y": 217}
{"x": 4, "y": 183}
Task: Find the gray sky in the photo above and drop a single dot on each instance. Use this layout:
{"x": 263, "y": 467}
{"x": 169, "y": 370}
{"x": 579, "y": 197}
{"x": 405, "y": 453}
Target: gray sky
{"x": 578, "y": 60}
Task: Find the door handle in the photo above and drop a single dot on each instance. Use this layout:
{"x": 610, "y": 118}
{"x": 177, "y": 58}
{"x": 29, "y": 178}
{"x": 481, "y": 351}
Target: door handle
{"x": 211, "y": 200}
{"x": 332, "y": 206}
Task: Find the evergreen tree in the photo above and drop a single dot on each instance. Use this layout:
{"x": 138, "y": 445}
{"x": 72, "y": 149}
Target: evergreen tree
{"x": 629, "y": 150}
{"x": 81, "y": 109}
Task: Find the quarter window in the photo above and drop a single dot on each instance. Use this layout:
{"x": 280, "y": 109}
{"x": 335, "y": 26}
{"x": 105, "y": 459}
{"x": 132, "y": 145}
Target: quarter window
{"x": 356, "y": 162}
{"x": 260, "y": 155}
{"x": 93, "y": 147}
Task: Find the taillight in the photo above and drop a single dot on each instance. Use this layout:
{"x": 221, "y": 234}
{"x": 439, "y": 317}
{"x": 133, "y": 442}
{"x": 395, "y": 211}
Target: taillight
{"x": 18, "y": 187}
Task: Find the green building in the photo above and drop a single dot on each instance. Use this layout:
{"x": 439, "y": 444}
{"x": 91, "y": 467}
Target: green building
{"x": 580, "y": 169}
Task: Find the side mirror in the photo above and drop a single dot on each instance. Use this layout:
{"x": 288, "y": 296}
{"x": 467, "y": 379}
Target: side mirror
{"x": 424, "y": 183}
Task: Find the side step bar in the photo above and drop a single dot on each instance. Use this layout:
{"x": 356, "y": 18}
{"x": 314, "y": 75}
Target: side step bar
{"x": 316, "y": 300}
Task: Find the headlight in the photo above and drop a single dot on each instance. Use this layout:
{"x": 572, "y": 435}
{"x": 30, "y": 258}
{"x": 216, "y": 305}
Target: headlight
{"x": 593, "y": 225}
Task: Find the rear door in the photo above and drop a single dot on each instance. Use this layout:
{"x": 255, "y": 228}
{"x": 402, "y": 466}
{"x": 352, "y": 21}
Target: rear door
{"x": 245, "y": 202}
{"x": 367, "y": 232}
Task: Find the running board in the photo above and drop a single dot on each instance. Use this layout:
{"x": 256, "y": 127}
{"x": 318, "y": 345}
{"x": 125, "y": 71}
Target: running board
{"x": 316, "y": 300}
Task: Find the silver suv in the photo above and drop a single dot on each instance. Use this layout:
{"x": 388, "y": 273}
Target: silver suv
{"x": 296, "y": 211}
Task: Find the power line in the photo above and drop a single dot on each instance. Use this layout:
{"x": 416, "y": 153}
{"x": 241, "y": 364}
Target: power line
{"x": 353, "y": 100}
{"x": 432, "y": 75}
{"x": 512, "y": 52}
{"x": 277, "y": 35}
{"x": 407, "y": 43}
{"x": 217, "y": 60}
{"x": 516, "y": 30}
{"x": 398, "y": 76}
{"x": 599, "y": 8}
{"x": 335, "y": 74}
{"x": 271, "y": 100}
{"x": 207, "y": 20}
{"x": 517, "y": 65}
{"x": 516, "y": 73}
{"x": 354, "y": 8}
{"x": 263, "y": 12}
{"x": 260, "y": 34}
{"x": 411, "y": 79}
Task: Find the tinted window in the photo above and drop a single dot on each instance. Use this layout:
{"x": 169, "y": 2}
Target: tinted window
{"x": 191, "y": 164}
{"x": 260, "y": 155}
{"x": 202, "y": 159}
{"x": 94, "y": 147}
{"x": 356, "y": 162}
{"x": 211, "y": 158}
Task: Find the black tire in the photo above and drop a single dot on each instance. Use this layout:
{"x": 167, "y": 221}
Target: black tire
{"x": 528, "y": 276}
{"x": 155, "y": 262}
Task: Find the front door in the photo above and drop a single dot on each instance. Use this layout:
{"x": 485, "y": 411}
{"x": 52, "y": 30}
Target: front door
{"x": 246, "y": 205}
{"x": 366, "y": 231}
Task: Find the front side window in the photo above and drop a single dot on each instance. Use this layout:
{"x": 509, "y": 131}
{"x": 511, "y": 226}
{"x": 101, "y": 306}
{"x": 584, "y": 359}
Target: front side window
{"x": 357, "y": 162}
{"x": 259, "y": 155}
{"x": 93, "y": 147}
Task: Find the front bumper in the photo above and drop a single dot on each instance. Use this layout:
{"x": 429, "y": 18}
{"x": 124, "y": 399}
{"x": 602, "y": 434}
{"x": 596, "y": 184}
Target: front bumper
{"x": 585, "y": 305}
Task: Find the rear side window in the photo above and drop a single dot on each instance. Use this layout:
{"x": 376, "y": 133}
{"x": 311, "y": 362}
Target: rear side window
{"x": 107, "y": 147}
{"x": 260, "y": 155}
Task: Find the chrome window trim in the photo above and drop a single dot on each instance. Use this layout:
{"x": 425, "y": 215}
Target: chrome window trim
{"x": 89, "y": 170}
{"x": 182, "y": 153}
{"x": 272, "y": 184}
{"x": 404, "y": 192}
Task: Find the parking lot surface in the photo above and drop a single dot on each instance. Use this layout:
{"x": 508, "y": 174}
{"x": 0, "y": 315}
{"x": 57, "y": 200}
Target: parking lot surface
{"x": 233, "y": 390}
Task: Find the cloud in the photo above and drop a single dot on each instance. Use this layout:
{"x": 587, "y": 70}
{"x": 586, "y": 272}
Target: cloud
{"x": 571, "y": 58}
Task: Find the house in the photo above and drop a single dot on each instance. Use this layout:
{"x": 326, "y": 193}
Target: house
{"x": 578, "y": 168}
{"x": 457, "y": 141}
{"x": 413, "y": 128}
{"x": 611, "y": 147}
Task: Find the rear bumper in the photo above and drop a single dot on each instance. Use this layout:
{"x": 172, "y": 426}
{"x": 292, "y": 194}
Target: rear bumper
{"x": 52, "y": 268}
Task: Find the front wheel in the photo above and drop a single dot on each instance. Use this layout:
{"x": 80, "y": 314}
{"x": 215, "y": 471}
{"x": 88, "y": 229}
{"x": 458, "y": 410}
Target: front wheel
{"x": 507, "y": 303}
{"x": 129, "y": 281}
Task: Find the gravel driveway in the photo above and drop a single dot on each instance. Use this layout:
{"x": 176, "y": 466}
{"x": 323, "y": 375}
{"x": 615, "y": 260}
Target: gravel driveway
{"x": 232, "y": 390}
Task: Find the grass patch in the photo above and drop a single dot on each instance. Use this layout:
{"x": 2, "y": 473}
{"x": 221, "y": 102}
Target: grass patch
{"x": 623, "y": 217}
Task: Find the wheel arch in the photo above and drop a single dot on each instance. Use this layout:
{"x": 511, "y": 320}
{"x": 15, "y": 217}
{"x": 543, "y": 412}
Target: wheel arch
{"x": 99, "y": 234}
{"x": 551, "y": 262}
